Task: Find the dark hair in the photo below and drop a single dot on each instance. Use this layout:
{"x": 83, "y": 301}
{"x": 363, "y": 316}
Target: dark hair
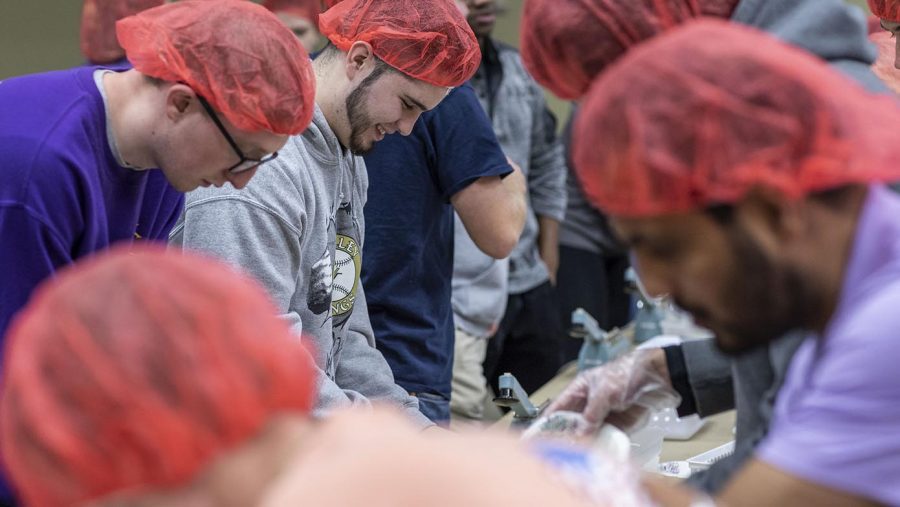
{"x": 155, "y": 81}
{"x": 833, "y": 198}
{"x": 331, "y": 51}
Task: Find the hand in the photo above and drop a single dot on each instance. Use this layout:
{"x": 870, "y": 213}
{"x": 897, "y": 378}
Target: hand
{"x": 623, "y": 392}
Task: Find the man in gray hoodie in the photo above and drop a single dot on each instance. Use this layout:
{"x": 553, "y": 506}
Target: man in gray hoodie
{"x": 300, "y": 229}
{"x": 707, "y": 381}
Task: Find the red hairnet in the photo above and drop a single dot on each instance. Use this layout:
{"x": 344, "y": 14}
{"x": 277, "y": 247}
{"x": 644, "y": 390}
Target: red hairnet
{"x": 327, "y": 4}
{"x": 566, "y": 43}
{"x": 234, "y": 53}
{"x": 884, "y": 66}
{"x": 306, "y": 9}
{"x": 681, "y": 124}
{"x": 135, "y": 368}
{"x": 98, "y": 27}
{"x": 428, "y": 40}
{"x": 886, "y": 9}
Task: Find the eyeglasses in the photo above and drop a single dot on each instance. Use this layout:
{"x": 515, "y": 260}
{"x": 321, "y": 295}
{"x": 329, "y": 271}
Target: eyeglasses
{"x": 246, "y": 163}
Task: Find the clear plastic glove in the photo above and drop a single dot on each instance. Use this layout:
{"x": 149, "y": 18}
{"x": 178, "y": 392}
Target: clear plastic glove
{"x": 623, "y": 393}
{"x": 570, "y": 427}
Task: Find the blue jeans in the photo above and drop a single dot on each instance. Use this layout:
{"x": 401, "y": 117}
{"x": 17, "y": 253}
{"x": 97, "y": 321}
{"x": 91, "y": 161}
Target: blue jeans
{"x": 434, "y": 407}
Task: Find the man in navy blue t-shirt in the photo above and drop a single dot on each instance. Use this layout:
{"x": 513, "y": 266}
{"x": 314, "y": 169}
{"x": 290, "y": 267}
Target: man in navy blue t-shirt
{"x": 452, "y": 161}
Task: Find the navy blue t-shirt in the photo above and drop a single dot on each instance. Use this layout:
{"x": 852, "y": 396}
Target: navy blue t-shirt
{"x": 408, "y": 253}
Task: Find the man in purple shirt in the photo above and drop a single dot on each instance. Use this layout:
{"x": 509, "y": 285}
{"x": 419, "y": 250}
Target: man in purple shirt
{"x": 77, "y": 145}
{"x": 216, "y": 89}
{"x": 746, "y": 178}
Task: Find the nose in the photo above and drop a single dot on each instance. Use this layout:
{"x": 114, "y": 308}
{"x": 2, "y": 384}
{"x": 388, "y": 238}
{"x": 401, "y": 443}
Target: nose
{"x": 406, "y": 124}
{"x": 241, "y": 180}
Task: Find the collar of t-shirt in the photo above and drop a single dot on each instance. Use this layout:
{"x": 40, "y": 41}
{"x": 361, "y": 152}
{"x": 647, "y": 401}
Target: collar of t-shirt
{"x": 110, "y": 137}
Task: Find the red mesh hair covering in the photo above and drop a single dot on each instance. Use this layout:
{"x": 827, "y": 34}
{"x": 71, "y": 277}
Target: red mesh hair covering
{"x": 327, "y": 4}
{"x": 307, "y": 9}
{"x": 428, "y": 40}
{"x": 884, "y": 66}
{"x": 135, "y": 368}
{"x": 234, "y": 53}
{"x": 98, "y": 27}
{"x": 680, "y": 124}
{"x": 886, "y": 9}
{"x": 566, "y": 43}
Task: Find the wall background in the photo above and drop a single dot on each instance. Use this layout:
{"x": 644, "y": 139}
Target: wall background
{"x": 508, "y": 31}
{"x": 41, "y": 35}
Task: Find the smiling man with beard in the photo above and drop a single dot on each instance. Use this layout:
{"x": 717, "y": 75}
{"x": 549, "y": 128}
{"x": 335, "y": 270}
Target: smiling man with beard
{"x": 300, "y": 230}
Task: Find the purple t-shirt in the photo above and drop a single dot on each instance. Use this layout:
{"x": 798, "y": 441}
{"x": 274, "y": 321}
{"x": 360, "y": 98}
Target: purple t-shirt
{"x": 62, "y": 193}
{"x": 837, "y": 419}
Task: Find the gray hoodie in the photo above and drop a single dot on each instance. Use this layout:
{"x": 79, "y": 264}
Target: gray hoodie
{"x": 298, "y": 228}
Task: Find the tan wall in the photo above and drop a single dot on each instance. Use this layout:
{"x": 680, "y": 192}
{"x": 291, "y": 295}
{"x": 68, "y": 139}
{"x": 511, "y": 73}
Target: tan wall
{"x": 38, "y": 35}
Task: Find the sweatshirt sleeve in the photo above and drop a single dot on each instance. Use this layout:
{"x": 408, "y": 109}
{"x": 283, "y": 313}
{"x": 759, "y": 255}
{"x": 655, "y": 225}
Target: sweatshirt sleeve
{"x": 710, "y": 377}
{"x": 363, "y": 368}
{"x": 547, "y": 169}
{"x": 31, "y": 250}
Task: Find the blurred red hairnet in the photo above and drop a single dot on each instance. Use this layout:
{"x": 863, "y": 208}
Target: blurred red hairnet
{"x": 566, "y": 43}
{"x": 98, "y": 27}
{"x": 886, "y": 9}
{"x": 428, "y": 40}
{"x": 680, "y": 124}
{"x": 234, "y": 53}
{"x": 135, "y": 368}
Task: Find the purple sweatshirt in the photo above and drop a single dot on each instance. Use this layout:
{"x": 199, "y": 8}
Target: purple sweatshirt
{"x": 63, "y": 196}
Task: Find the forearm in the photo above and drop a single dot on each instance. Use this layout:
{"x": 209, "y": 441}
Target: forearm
{"x": 493, "y": 211}
{"x": 759, "y": 483}
{"x": 514, "y": 207}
